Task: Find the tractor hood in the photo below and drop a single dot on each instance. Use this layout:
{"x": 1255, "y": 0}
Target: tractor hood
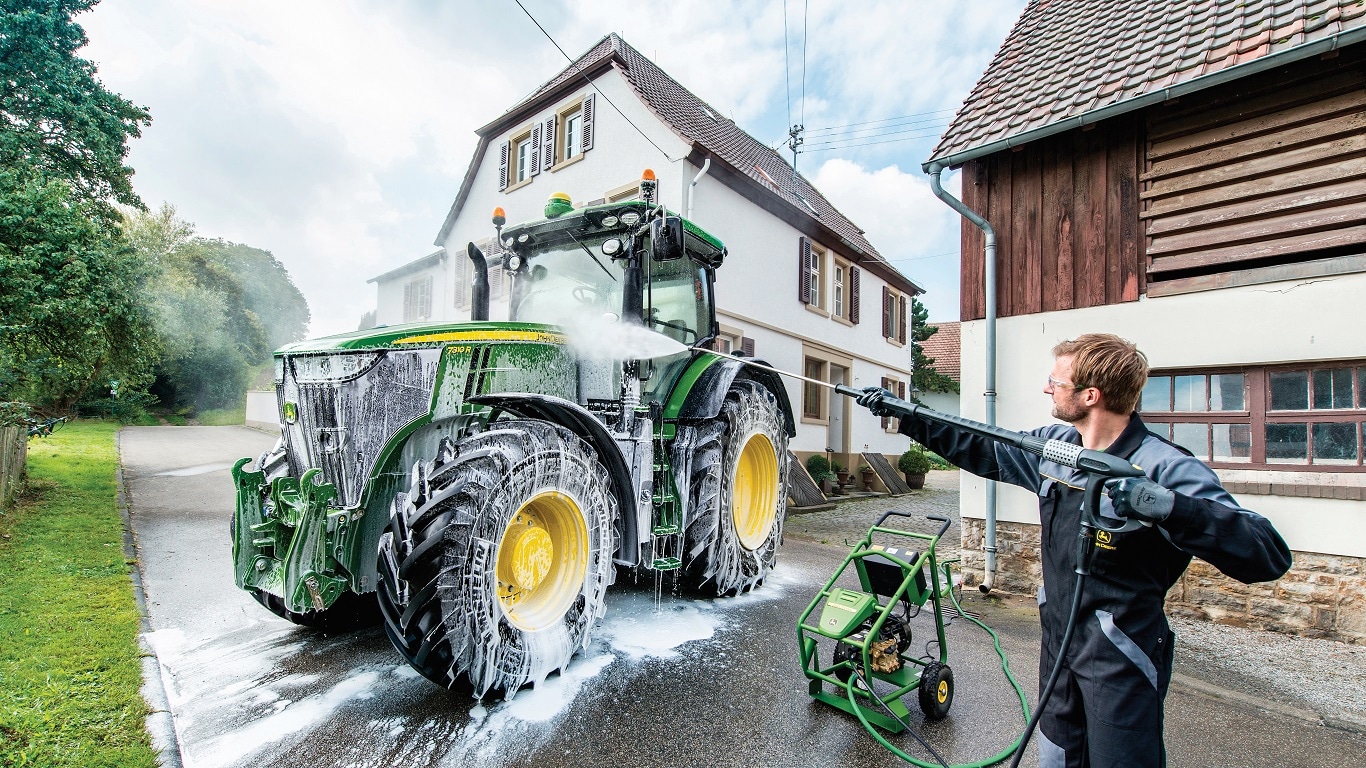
{"x": 413, "y": 335}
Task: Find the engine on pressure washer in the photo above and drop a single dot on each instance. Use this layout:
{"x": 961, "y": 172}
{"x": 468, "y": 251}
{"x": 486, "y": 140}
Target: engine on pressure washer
{"x": 884, "y": 577}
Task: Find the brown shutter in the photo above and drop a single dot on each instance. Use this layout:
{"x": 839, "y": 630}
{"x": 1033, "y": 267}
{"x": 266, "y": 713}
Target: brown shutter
{"x": 587, "y": 122}
{"x": 548, "y": 143}
{"x": 803, "y": 270}
{"x": 535, "y": 153}
{"x": 747, "y": 346}
{"x": 901, "y": 319}
{"x": 886, "y": 313}
{"x": 503, "y": 166}
{"x": 887, "y": 385}
{"x": 853, "y": 294}
{"x": 901, "y": 393}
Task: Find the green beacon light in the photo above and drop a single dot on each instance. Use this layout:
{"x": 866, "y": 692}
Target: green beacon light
{"x": 558, "y": 205}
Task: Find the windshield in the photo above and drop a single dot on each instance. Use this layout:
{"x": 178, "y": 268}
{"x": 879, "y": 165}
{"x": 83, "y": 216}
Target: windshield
{"x": 562, "y": 283}
{"x": 678, "y": 300}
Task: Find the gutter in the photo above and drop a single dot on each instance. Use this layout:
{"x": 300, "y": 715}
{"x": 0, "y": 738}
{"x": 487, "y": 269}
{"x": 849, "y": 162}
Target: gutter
{"x": 989, "y": 280}
{"x": 1229, "y": 74}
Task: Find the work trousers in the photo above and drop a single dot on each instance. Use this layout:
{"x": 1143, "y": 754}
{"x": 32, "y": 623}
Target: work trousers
{"x": 1106, "y": 709}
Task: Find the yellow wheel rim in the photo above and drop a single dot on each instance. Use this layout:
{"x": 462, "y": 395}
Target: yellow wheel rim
{"x": 754, "y": 492}
{"x": 943, "y": 691}
{"x": 542, "y": 560}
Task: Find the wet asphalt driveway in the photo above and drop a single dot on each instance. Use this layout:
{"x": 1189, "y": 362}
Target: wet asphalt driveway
{"x": 694, "y": 682}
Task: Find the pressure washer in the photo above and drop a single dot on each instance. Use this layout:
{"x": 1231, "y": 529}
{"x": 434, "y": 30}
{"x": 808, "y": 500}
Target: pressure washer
{"x": 872, "y": 639}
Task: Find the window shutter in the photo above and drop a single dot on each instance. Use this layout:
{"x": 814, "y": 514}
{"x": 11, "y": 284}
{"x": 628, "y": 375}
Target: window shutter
{"x": 803, "y": 270}
{"x": 901, "y": 393}
{"x": 407, "y": 302}
{"x": 887, "y": 385}
{"x": 462, "y": 280}
{"x": 426, "y": 301}
{"x": 535, "y": 147}
{"x": 886, "y": 313}
{"x": 588, "y": 122}
{"x": 901, "y": 319}
{"x": 495, "y": 280}
{"x": 503, "y": 166}
{"x": 548, "y": 143}
{"x": 853, "y": 294}
{"x": 747, "y": 346}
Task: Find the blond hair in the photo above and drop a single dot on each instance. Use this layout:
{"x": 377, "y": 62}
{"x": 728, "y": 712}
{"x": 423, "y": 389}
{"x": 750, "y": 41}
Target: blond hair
{"x": 1110, "y": 364}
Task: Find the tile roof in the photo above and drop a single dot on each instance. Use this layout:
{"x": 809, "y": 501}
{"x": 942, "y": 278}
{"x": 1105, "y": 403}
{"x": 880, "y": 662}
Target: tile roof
{"x": 1067, "y": 58}
{"x": 699, "y": 123}
{"x": 945, "y": 349}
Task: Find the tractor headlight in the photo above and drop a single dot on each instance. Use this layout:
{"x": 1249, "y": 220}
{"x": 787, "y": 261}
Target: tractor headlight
{"x": 610, "y": 221}
{"x": 514, "y": 263}
{"x": 630, "y": 218}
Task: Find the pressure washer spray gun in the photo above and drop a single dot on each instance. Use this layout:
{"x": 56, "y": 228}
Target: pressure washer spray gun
{"x": 1098, "y": 465}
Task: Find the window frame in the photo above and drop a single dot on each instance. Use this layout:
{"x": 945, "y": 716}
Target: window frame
{"x": 519, "y": 139}
{"x": 822, "y": 415}
{"x": 1257, "y": 414}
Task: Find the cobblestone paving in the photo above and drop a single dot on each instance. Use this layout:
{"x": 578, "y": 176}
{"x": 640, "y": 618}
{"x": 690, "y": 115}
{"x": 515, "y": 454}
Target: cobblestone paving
{"x": 851, "y": 519}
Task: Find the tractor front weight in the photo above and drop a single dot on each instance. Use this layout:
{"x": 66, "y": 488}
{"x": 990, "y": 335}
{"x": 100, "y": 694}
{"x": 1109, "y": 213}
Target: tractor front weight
{"x": 290, "y": 546}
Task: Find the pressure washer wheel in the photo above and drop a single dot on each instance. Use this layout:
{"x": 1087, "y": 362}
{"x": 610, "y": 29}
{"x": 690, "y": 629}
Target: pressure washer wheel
{"x": 936, "y": 690}
{"x": 495, "y": 564}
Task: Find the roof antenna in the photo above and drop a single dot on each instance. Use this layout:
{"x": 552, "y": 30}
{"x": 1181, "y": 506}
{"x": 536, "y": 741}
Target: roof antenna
{"x": 795, "y": 140}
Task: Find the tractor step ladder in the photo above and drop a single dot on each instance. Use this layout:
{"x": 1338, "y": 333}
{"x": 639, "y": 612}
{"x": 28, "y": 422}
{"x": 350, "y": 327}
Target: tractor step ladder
{"x": 666, "y": 533}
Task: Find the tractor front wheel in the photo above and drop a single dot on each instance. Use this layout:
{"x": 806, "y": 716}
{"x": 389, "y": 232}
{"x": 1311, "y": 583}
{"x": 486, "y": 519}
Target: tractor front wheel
{"x": 737, "y": 490}
{"x": 495, "y": 563}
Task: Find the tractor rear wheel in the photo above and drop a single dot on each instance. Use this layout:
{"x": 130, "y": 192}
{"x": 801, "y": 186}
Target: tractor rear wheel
{"x": 737, "y": 490}
{"x": 495, "y": 563}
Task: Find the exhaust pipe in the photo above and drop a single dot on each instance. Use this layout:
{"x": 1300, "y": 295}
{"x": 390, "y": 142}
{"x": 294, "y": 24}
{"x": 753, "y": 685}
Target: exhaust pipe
{"x": 479, "y": 300}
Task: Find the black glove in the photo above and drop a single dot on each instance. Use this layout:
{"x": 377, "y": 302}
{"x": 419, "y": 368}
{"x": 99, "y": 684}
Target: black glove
{"x": 872, "y": 400}
{"x": 1140, "y": 498}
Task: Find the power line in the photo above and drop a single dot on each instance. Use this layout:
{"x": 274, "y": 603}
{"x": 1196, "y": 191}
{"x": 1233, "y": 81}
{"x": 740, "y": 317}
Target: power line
{"x": 872, "y": 143}
{"x": 806, "y": 6}
{"x": 923, "y": 258}
{"x": 590, "y": 82}
{"x": 922, "y": 132}
{"x": 787, "y": 66}
{"x": 880, "y": 128}
{"x": 883, "y": 120}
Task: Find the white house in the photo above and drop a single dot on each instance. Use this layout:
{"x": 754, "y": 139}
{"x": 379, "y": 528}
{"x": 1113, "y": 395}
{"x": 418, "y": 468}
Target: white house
{"x": 802, "y": 288}
{"x": 1188, "y": 176}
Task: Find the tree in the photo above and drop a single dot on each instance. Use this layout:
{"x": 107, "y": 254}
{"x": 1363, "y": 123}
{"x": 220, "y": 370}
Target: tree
{"x": 71, "y": 315}
{"x": 220, "y": 309}
{"x": 923, "y": 375}
{"x": 56, "y": 118}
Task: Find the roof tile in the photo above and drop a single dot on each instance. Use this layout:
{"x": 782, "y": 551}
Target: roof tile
{"x": 1119, "y": 50}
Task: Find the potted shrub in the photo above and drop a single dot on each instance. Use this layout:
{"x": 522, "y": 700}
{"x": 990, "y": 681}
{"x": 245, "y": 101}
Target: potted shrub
{"x": 819, "y": 468}
{"x": 914, "y": 464}
{"x": 840, "y": 472}
{"x": 868, "y": 476}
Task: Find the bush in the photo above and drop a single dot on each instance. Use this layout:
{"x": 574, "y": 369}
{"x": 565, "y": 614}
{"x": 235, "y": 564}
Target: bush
{"x": 938, "y": 462}
{"x": 914, "y": 461}
{"x": 819, "y": 467}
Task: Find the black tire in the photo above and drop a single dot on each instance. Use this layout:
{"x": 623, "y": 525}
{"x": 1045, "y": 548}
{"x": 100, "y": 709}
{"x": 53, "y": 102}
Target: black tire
{"x": 936, "y": 690}
{"x": 723, "y": 556}
{"x": 468, "y": 515}
{"x": 350, "y": 611}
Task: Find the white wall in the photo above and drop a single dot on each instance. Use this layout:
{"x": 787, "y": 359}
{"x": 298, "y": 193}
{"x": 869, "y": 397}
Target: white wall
{"x": 1304, "y": 320}
{"x": 262, "y": 410}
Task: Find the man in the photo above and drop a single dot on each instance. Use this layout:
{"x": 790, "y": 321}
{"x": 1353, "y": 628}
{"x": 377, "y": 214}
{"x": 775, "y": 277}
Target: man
{"x": 1106, "y": 708}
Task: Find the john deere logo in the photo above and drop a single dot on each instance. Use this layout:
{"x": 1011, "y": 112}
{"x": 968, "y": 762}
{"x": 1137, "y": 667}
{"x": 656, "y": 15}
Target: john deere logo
{"x": 291, "y": 412}
{"x": 1102, "y": 537}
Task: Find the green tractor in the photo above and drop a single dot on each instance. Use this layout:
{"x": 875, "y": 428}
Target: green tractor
{"x": 485, "y": 482}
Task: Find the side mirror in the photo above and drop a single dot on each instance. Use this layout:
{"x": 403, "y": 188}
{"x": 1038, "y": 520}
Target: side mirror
{"x": 666, "y": 239}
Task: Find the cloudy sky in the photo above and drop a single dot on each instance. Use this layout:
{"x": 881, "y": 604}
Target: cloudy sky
{"x": 334, "y": 133}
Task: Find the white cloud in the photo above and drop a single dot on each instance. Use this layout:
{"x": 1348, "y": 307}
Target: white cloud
{"x": 903, "y": 219}
{"x": 335, "y": 134}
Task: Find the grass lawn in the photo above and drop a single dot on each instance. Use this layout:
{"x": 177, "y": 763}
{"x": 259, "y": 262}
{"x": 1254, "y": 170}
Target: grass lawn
{"x": 69, "y": 660}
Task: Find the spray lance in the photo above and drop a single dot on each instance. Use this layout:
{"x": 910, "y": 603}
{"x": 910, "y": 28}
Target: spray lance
{"x": 1099, "y": 467}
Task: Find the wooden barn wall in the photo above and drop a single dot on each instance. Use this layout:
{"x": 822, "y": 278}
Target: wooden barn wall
{"x": 1264, "y": 172}
{"x": 1065, "y": 210}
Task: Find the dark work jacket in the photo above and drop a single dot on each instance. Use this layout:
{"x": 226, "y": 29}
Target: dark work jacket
{"x": 1132, "y": 571}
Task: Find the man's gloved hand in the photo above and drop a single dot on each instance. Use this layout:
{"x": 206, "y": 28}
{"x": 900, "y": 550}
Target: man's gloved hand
{"x": 872, "y": 400}
{"x": 1140, "y": 498}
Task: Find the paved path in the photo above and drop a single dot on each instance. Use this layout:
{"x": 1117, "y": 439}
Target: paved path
{"x": 687, "y": 682}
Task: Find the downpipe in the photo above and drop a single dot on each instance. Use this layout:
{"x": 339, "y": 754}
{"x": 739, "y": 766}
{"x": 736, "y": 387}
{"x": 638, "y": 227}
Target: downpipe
{"x": 989, "y": 281}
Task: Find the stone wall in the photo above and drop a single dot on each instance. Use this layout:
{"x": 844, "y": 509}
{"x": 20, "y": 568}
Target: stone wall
{"x": 1322, "y": 595}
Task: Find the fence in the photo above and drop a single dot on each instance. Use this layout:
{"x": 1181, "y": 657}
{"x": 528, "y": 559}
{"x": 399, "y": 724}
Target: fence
{"x": 13, "y": 454}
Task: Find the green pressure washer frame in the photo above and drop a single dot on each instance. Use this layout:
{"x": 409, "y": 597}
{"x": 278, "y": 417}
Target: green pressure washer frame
{"x": 847, "y": 610}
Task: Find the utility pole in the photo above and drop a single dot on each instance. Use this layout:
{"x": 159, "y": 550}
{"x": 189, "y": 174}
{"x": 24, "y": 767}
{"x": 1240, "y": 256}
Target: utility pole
{"x": 795, "y": 140}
